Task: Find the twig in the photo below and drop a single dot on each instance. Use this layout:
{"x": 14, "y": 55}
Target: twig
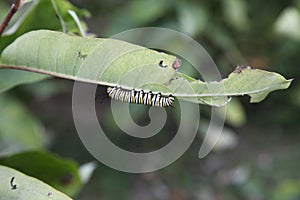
{"x": 12, "y": 11}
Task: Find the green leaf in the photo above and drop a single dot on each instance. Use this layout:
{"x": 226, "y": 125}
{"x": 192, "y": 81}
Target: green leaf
{"x": 25, "y": 20}
{"x": 288, "y": 23}
{"x": 235, "y": 113}
{"x": 12, "y": 78}
{"x": 235, "y": 12}
{"x": 60, "y": 173}
{"x": 16, "y": 185}
{"x": 3, "y": 9}
{"x": 86, "y": 170}
{"x": 193, "y": 18}
{"x": 112, "y": 62}
{"x": 227, "y": 140}
{"x": 242, "y": 81}
{"x": 102, "y": 61}
{"x": 155, "y": 9}
{"x": 78, "y": 22}
{"x": 19, "y": 130}
{"x": 18, "y": 18}
{"x": 286, "y": 189}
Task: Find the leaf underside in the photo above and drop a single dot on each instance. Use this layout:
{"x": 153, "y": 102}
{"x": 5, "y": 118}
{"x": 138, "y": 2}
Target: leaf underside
{"x": 117, "y": 63}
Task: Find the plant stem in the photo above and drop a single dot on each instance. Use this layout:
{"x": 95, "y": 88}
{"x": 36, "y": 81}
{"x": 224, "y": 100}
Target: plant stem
{"x": 12, "y": 11}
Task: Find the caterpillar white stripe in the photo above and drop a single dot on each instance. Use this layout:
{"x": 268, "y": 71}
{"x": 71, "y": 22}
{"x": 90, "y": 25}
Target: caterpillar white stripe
{"x": 140, "y": 97}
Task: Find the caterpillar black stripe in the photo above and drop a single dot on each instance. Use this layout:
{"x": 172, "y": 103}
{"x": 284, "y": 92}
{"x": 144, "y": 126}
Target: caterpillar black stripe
{"x": 140, "y": 97}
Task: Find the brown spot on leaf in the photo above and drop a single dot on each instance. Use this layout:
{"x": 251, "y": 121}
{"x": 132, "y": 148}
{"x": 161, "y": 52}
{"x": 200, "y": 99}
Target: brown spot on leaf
{"x": 176, "y": 64}
{"x": 66, "y": 179}
{"x": 240, "y": 68}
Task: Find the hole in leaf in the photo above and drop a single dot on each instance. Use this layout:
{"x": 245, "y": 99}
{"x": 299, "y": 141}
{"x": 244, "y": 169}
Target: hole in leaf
{"x": 13, "y": 186}
{"x": 161, "y": 64}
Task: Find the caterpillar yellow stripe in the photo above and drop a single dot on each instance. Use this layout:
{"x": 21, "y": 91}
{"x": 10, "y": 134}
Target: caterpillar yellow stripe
{"x": 140, "y": 97}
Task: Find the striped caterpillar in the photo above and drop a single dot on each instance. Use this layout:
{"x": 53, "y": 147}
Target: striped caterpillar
{"x": 140, "y": 97}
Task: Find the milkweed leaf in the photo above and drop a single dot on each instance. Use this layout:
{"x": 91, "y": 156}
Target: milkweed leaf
{"x": 19, "y": 130}
{"x": 113, "y": 62}
{"x": 60, "y": 173}
{"x": 16, "y": 185}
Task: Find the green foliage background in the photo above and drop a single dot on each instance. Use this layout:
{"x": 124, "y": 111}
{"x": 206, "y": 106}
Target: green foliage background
{"x": 259, "y": 156}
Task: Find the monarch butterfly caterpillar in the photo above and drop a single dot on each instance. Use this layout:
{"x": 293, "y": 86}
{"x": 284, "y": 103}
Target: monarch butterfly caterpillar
{"x": 140, "y": 97}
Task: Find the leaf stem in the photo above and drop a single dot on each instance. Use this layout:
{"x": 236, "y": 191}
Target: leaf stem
{"x": 15, "y": 6}
{"x": 61, "y": 20}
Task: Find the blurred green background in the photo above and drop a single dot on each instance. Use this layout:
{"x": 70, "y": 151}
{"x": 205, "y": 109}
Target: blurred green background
{"x": 258, "y": 155}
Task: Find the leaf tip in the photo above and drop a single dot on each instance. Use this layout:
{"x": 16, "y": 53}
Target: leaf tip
{"x": 289, "y": 81}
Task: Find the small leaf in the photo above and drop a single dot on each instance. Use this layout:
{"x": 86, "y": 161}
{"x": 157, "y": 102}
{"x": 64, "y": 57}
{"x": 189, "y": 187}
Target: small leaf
{"x": 286, "y": 189}
{"x": 235, "y": 12}
{"x": 16, "y": 185}
{"x": 19, "y": 17}
{"x": 86, "y": 171}
{"x": 226, "y": 140}
{"x": 155, "y": 9}
{"x": 19, "y": 130}
{"x": 25, "y": 20}
{"x": 235, "y": 113}
{"x": 12, "y": 78}
{"x": 77, "y": 20}
{"x": 60, "y": 173}
{"x": 288, "y": 23}
{"x": 193, "y": 19}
